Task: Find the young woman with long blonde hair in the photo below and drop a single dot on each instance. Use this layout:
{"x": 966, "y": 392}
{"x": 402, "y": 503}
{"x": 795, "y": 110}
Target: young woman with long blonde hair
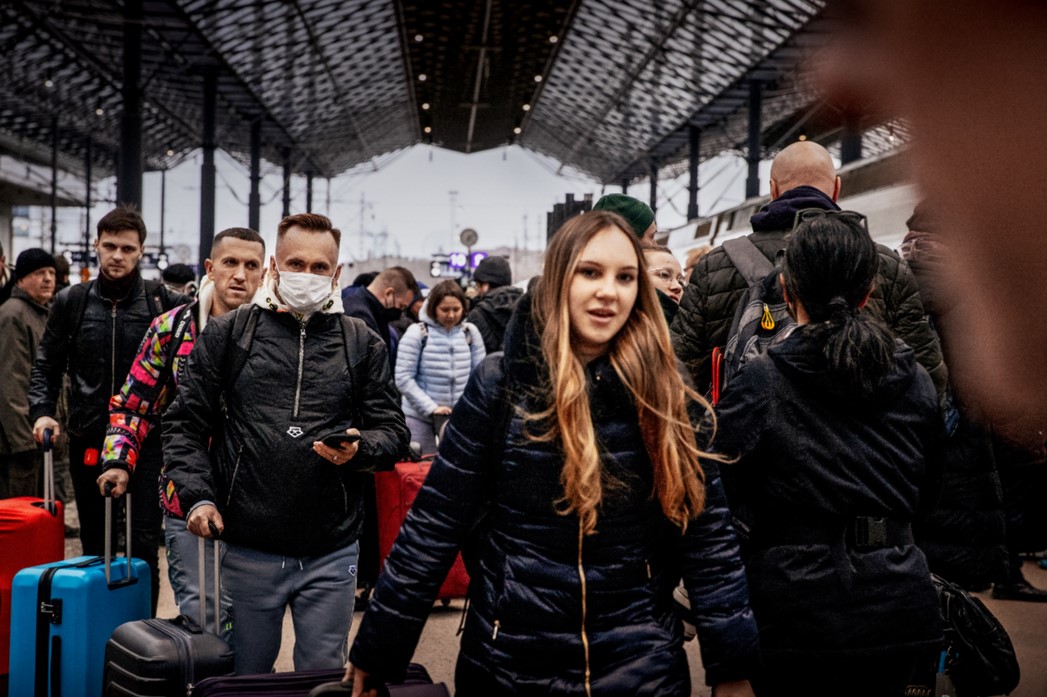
{"x": 571, "y": 473}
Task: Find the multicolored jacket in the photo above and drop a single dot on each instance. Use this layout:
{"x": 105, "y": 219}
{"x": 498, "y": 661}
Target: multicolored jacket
{"x": 150, "y": 387}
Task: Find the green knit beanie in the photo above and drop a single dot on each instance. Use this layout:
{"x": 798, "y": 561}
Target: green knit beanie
{"x": 637, "y": 213}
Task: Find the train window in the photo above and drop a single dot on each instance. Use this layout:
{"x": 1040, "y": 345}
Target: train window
{"x": 702, "y": 229}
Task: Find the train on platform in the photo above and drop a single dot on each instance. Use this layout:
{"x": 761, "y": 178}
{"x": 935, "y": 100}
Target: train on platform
{"x": 877, "y": 187}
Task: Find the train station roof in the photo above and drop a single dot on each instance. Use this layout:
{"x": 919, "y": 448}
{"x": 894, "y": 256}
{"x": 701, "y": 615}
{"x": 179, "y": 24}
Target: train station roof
{"x": 606, "y": 87}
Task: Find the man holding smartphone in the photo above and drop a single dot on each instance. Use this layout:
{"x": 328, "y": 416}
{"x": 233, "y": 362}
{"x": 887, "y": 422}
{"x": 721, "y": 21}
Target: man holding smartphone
{"x": 286, "y": 405}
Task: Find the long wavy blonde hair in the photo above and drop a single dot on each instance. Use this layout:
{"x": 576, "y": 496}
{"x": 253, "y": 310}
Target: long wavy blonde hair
{"x": 643, "y": 358}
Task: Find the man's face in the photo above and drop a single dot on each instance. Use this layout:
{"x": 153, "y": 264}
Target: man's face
{"x": 306, "y": 251}
{"x": 39, "y": 285}
{"x": 118, "y": 253}
{"x": 236, "y": 270}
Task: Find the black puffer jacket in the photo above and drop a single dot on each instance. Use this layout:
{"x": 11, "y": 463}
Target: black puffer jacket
{"x": 710, "y": 299}
{"x": 812, "y": 458}
{"x": 99, "y": 356}
{"x": 524, "y": 631}
{"x": 299, "y": 382}
{"x": 491, "y": 315}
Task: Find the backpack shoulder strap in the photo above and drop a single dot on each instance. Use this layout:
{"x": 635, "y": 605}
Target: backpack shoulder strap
{"x": 354, "y": 385}
{"x": 76, "y": 306}
{"x": 240, "y": 337}
{"x": 424, "y": 330}
{"x": 154, "y": 292}
{"x": 748, "y": 259}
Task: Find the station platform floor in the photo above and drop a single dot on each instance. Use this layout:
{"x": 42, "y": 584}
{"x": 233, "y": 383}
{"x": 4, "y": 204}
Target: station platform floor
{"x": 438, "y": 648}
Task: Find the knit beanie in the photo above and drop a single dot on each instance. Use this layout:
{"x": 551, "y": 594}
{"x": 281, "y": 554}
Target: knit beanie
{"x": 493, "y": 270}
{"x": 32, "y": 260}
{"x": 637, "y": 213}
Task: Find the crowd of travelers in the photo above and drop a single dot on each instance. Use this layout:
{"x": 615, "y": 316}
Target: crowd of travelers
{"x": 596, "y": 440}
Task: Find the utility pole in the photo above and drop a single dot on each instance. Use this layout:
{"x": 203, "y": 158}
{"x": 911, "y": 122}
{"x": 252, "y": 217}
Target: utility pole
{"x": 454, "y": 225}
{"x": 362, "y": 231}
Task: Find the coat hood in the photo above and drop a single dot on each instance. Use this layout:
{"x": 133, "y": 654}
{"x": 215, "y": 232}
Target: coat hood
{"x": 801, "y": 357}
{"x": 780, "y": 213}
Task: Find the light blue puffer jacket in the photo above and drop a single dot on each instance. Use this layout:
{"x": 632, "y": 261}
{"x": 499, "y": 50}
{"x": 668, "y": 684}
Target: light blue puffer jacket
{"x": 436, "y": 375}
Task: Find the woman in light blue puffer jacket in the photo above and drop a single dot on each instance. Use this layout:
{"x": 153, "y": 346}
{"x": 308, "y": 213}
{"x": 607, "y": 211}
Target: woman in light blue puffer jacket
{"x": 434, "y": 360}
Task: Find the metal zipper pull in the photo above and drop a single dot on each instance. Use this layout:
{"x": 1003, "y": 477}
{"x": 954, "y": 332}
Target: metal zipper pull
{"x": 497, "y": 626}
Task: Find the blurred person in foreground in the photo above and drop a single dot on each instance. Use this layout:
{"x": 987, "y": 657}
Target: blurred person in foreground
{"x": 578, "y": 442}
{"x": 234, "y": 273}
{"x": 968, "y": 78}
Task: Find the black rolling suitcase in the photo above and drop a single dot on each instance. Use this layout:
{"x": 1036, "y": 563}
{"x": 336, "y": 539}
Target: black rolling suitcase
{"x": 164, "y": 658}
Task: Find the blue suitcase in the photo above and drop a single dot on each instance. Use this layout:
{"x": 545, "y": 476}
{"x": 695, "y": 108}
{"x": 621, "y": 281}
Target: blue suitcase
{"x": 62, "y": 615}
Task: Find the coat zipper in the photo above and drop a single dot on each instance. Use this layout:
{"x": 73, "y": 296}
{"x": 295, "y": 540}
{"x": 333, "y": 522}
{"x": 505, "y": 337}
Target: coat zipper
{"x": 585, "y": 635}
{"x": 112, "y": 365}
{"x": 232, "y": 481}
{"x": 301, "y": 361}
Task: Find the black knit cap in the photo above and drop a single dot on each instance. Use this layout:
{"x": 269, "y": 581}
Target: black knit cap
{"x": 493, "y": 270}
{"x": 32, "y": 260}
{"x": 178, "y": 273}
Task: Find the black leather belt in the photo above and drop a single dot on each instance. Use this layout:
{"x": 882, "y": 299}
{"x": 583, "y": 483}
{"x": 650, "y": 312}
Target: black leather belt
{"x": 860, "y": 532}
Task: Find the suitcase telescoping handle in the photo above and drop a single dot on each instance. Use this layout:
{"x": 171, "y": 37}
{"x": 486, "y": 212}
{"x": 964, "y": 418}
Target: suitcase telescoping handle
{"x": 47, "y": 445}
{"x": 217, "y": 581}
{"x": 109, "y": 537}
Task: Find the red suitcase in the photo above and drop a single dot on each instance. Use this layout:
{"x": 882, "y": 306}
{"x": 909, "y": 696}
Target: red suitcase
{"x": 32, "y": 532}
{"x": 396, "y": 492}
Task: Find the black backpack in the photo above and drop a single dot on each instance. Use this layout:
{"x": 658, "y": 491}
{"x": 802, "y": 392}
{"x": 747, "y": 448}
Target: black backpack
{"x": 979, "y": 656}
{"x": 761, "y": 317}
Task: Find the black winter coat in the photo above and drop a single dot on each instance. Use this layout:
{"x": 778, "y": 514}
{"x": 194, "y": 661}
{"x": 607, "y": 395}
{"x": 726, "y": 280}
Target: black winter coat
{"x": 97, "y": 347}
{"x": 812, "y": 457}
{"x": 299, "y": 383}
{"x": 491, "y": 315}
{"x": 529, "y": 602}
{"x": 710, "y": 298}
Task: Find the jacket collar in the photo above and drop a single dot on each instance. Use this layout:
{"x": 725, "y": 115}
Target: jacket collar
{"x": 17, "y": 292}
{"x": 266, "y": 298}
{"x": 780, "y": 213}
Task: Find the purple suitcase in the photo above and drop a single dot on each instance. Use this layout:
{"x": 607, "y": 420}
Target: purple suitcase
{"x": 302, "y": 683}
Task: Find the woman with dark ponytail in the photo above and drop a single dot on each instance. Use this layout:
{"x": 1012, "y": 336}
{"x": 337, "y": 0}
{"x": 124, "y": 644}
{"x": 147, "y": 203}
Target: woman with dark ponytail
{"x": 833, "y": 431}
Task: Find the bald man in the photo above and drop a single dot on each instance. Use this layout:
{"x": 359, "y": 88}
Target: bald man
{"x": 802, "y": 176}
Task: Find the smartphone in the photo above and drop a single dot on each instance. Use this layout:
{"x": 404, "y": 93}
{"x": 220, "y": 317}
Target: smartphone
{"x": 339, "y": 438}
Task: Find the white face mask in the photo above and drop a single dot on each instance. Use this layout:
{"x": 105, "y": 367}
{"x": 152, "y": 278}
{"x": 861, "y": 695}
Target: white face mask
{"x": 304, "y": 292}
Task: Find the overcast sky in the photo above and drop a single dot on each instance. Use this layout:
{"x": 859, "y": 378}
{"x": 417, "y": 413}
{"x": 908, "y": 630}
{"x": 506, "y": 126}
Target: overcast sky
{"x": 409, "y": 199}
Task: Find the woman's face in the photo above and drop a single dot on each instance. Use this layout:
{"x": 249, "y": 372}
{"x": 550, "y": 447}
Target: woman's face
{"x": 602, "y": 292}
{"x": 449, "y": 312}
{"x": 666, "y": 274}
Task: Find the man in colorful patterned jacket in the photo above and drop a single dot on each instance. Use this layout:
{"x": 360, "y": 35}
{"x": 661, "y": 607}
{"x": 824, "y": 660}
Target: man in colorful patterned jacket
{"x": 234, "y": 273}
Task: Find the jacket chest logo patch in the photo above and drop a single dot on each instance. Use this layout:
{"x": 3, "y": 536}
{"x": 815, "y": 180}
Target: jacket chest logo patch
{"x": 295, "y": 431}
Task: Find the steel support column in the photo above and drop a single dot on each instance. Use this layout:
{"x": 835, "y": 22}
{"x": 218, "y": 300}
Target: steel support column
{"x": 308, "y": 192}
{"x": 129, "y": 168}
{"x": 851, "y": 143}
{"x": 163, "y": 209}
{"x": 87, "y": 205}
{"x": 207, "y": 171}
{"x": 54, "y": 183}
{"x": 654, "y": 187}
{"x": 287, "y": 183}
{"x": 752, "y": 184}
{"x": 694, "y": 135}
{"x": 625, "y": 186}
{"x": 254, "y": 201}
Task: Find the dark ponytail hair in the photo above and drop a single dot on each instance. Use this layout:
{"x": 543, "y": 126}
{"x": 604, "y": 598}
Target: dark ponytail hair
{"x": 830, "y": 265}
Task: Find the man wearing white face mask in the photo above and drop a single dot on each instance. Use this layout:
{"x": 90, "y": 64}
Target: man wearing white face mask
{"x": 286, "y": 406}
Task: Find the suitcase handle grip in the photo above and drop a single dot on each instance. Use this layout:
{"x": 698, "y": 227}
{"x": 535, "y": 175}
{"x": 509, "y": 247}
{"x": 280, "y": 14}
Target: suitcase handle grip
{"x": 201, "y": 553}
{"x": 130, "y": 579}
